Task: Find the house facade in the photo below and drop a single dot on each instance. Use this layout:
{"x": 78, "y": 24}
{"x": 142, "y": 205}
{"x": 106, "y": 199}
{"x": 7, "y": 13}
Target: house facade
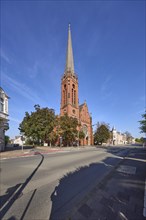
{"x": 3, "y": 117}
{"x": 70, "y": 97}
{"x": 121, "y": 138}
{"x": 118, "y": 137}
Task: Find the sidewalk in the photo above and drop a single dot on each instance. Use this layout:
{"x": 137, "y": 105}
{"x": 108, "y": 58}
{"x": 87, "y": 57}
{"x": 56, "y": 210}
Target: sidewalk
{"x": 26, "y": 152}
{"x": 120, "y": 196}
{"x": 34, "y": 151}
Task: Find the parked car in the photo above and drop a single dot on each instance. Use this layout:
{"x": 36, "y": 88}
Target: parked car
{"x": 16, "y": 145}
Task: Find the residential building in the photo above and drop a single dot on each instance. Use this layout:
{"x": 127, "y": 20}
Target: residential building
{"x": 3, "y": 117}
{"x": 70, "y": 97}
{"x": 120, "y": 138}
{"x": 19, "y": 140}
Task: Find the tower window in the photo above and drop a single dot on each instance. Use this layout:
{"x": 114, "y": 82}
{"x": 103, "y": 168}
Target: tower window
{"x": 65, "y": 95}
{"x": 74, "y": 97}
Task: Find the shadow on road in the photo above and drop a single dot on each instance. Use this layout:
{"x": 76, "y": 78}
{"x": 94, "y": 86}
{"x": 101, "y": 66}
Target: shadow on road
{"x": 75, "y": 185}
{"x": 15, "y": 192}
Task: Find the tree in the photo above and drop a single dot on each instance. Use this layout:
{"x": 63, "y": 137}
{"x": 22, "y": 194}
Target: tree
{"x": 68, "y": 129}
{"x": 143, "y": 123}
{"x": 139, "y": 140}
{"x": 128, "y": 136}
{"x": 102, "y": 134}
{"x": 81, "y": 135}
{"x": 53, "y": 136}
{"x": 39, "y": 124}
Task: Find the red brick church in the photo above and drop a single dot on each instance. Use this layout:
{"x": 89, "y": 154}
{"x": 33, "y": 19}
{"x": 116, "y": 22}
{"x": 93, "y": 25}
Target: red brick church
{"x": 70, "y": 99}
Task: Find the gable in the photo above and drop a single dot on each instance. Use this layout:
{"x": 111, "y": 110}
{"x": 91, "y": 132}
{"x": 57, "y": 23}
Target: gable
{"x": 84, "y": 114}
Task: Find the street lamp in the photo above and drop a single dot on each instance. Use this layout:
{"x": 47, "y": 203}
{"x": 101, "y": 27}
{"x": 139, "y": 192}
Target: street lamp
{"x": 60, "y": 141}
{"x": 22, "y": 134}
{"x": 78, "y": 139}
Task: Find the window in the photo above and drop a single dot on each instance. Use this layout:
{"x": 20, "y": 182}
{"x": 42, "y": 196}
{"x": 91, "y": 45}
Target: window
{"x": 73, "y": 111}
{"x": 1, "y": 104}
{"x": 65, "y": 95}
{"x": 73, "y": 95}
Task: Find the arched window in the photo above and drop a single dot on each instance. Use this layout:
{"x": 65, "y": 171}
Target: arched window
{"x": 73, "y": 95}
{"x": 65, "y": 95}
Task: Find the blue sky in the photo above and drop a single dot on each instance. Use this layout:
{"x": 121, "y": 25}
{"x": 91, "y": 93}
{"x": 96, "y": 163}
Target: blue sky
{"x": 108, "y": 40}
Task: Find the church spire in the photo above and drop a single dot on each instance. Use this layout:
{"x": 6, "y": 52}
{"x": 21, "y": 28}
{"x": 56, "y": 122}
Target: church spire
{"x": 69, "y": 68}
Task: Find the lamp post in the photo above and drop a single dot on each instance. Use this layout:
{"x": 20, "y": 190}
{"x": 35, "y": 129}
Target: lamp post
{"x": 97, "y": 124}
{"x": 78, "y": 138}
{"x": 60, "y": 141}
{"x": 22, "y": 139}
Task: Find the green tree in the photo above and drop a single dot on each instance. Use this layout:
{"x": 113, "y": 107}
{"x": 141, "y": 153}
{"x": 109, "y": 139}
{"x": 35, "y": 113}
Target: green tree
{"x": 102, "y": 134}
{"x": 53, "y": 136}
{"x": 39, "y": 124}
{"x": 128, "y": 136}
{"x": 81, "y": 135}
{"x": 68, "y": 129}
{"x": 139, "y": 140}
{"x": 143, "y": 123}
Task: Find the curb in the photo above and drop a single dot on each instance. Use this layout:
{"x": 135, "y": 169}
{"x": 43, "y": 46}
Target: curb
{"x": 28, "y": 154}
{"x": 33, "y": 153}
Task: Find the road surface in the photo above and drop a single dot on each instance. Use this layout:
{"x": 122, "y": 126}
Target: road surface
{"x": 49, "y": 186}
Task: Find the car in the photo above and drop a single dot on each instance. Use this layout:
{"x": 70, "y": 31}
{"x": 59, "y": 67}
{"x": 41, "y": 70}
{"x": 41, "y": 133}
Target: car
{"x": 16, "y": 145}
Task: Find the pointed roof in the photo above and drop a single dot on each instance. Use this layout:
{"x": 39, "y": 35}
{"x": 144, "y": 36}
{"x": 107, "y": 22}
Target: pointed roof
{"x": 69, "y": 56}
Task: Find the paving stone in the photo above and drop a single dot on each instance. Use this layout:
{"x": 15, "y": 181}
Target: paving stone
{"x": 106, "y": 201}
{"x": 108, "y": 213}
{"x": 138, "y": 209}
{"x": 76, "y": 216}
{"x": 95, "y": 216}
{"x": 85, "y": 210}
{"x": 123, "y": 197}
{"x": 105, "y": 194}
{"x": 93, "y": 201}
{"x": 131, "y": 205}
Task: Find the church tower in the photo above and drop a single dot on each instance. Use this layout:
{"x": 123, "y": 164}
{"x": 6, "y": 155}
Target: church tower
{"x": 69, "y": 84}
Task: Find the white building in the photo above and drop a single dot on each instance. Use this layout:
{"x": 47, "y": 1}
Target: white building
{"x": 19, "y": 140}
{"x": 118, "y": 137}
{"x": 3, "y": 117}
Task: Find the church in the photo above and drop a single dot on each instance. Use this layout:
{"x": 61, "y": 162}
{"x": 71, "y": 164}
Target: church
{"x": 70, "y": 98}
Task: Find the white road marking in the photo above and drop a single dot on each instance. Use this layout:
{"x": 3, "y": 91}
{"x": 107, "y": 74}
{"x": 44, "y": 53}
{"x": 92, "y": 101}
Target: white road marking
{"x": 126, "y": 169}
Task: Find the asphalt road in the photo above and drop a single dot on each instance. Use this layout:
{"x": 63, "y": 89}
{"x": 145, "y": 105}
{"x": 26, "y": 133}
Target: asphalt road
{"x": 47, "y": 186}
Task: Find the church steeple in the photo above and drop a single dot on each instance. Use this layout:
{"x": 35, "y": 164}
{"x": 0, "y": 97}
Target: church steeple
{"x": 69, "y": 68}
{"x": 69, "y": 84}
